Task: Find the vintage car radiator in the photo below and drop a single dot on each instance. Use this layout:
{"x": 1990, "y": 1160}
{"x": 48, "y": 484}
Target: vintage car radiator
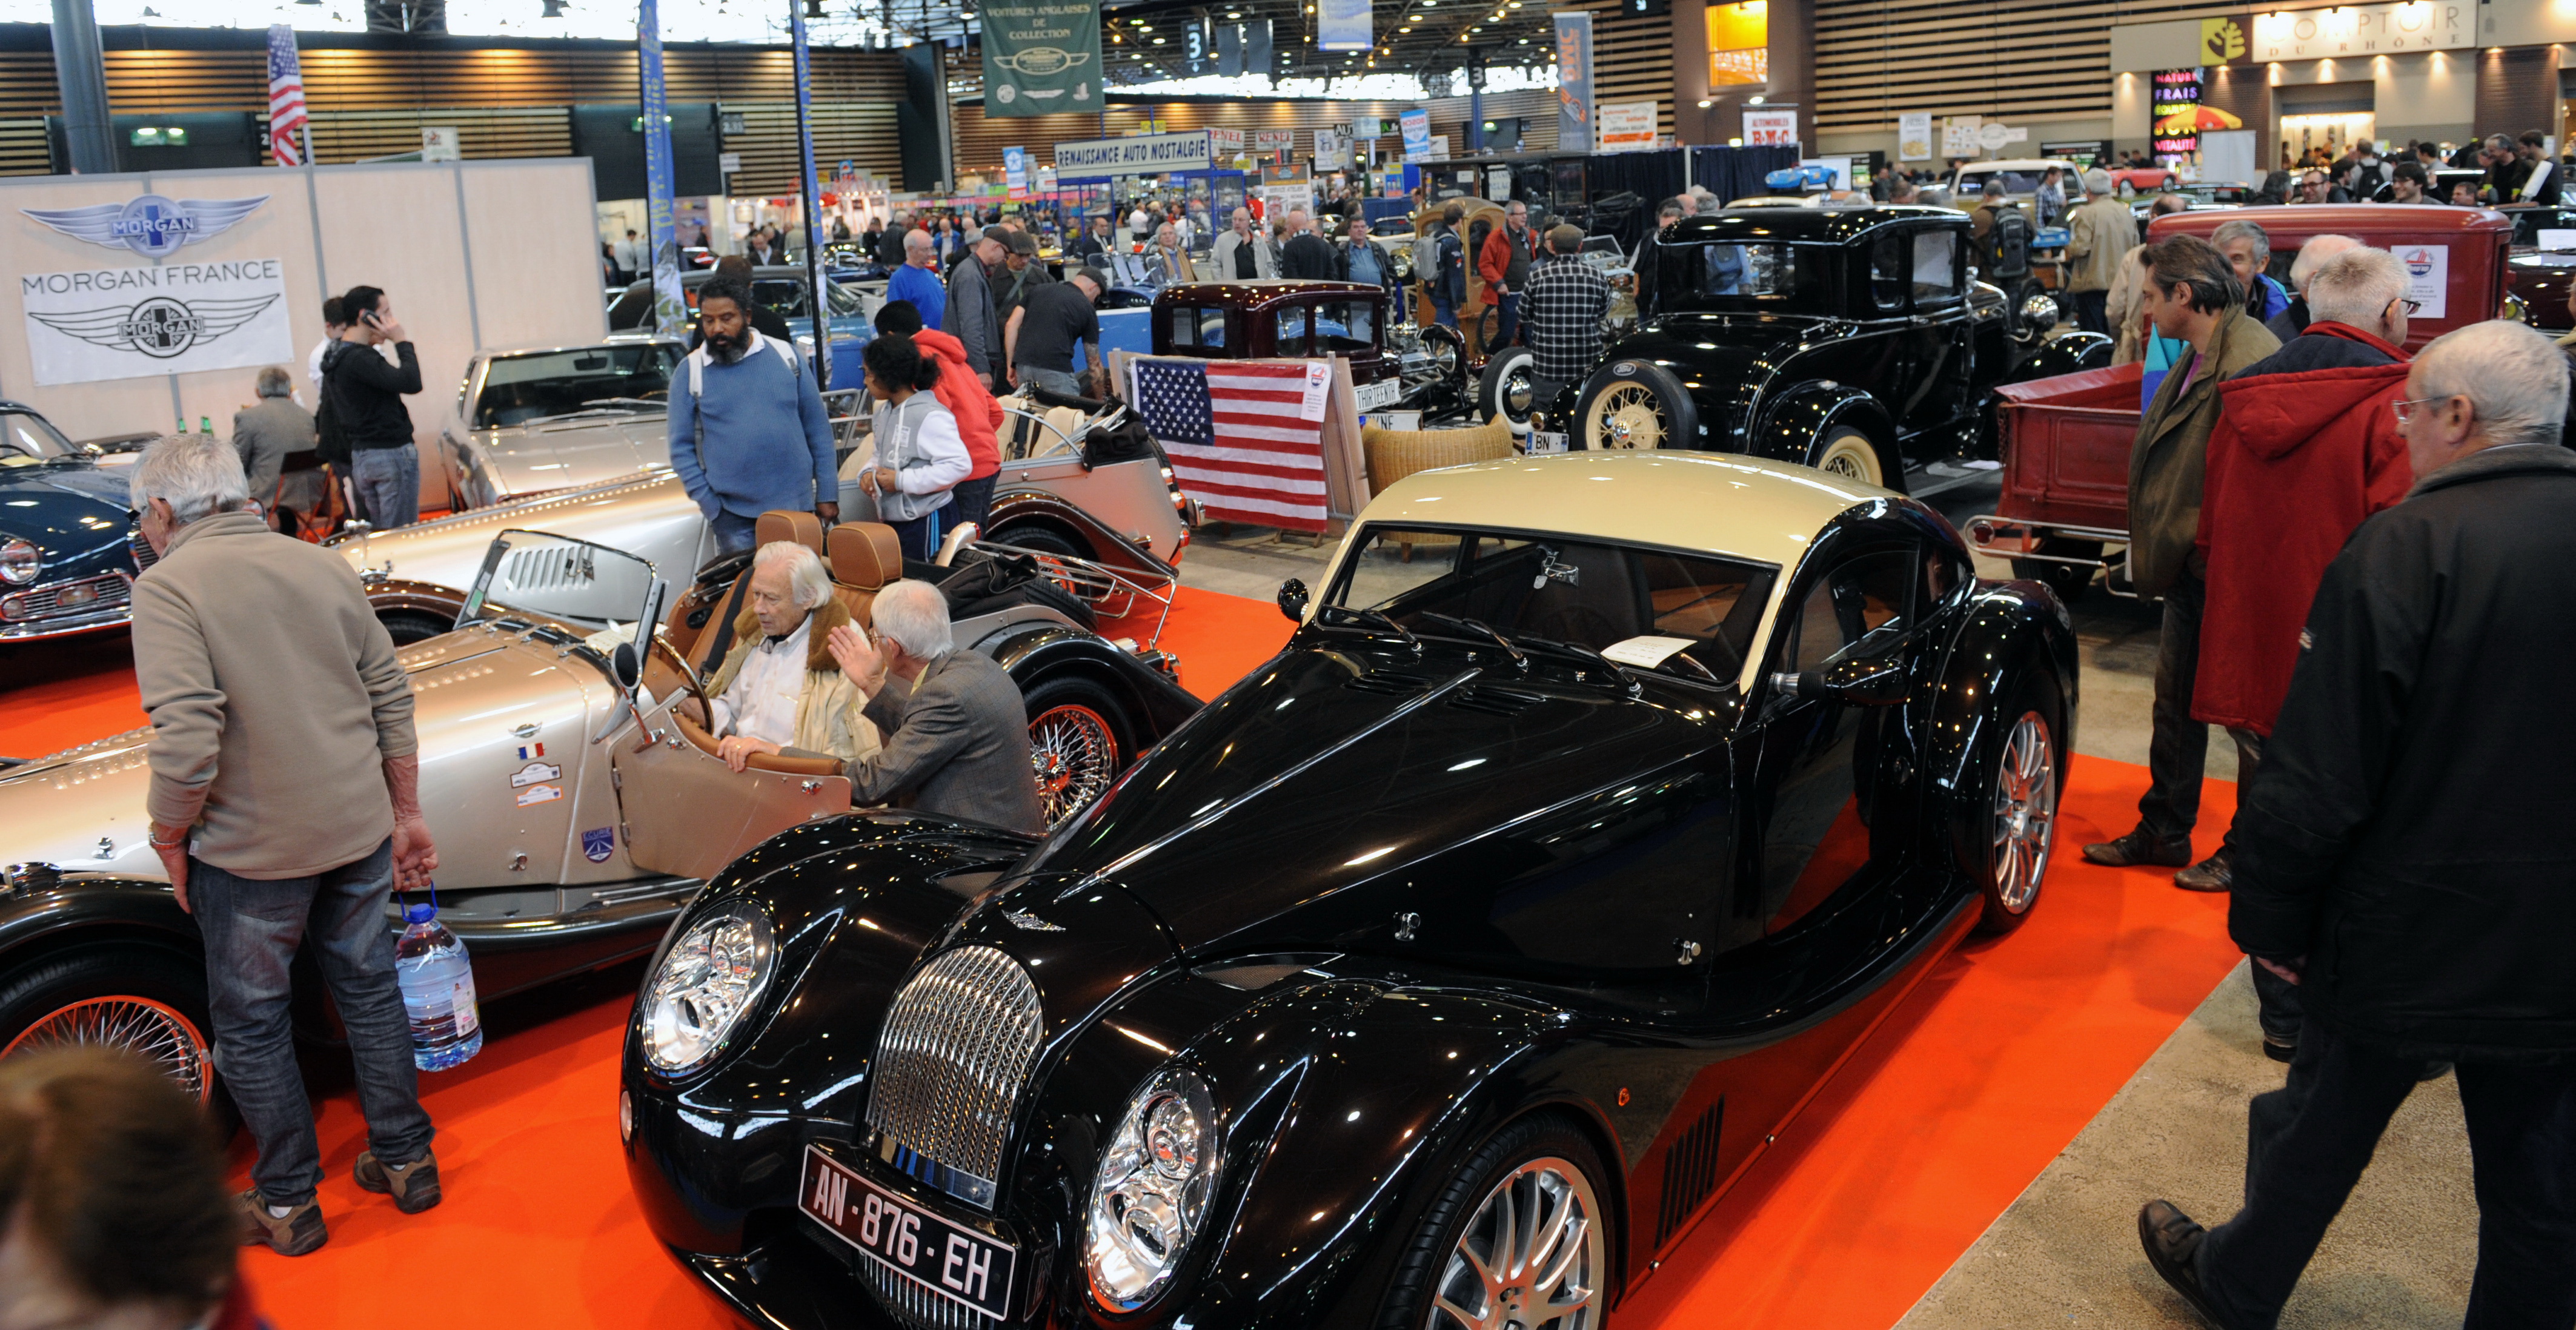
{"x": 957, "y": 1047}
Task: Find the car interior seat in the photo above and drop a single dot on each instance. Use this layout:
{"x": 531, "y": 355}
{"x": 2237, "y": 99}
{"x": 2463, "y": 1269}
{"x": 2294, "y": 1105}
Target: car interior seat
{"x": 700, "y": 625}
{"x": 864, "y": 557}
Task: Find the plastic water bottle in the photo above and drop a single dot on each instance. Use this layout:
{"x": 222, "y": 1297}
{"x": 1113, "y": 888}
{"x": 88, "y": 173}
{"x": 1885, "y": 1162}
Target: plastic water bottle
{"x": 438, "y": 991}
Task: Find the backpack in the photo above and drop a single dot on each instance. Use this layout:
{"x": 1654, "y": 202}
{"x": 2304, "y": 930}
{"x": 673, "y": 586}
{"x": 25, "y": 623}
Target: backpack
{"x": 2008, "y": 243}
{"x": 331, "y": 442}
{"x": 1426, "y": 255}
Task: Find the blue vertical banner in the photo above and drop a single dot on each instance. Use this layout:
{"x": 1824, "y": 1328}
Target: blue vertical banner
{"x": 1015, "y": 172}
{"x": 1342, "y": 25}
{"x": 1574, "y": 82}
{"x": 670, "y": 312}
{"x": 1416, "y": 126}
{"x": 810, "y": 206}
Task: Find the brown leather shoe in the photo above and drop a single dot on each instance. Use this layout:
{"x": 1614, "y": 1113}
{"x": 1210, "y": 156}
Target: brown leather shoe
{"x": 2210, "y": 874}
{"x": 295, "y": 1233}
{"x": 2138, "y": 849}
{"x": 414, "y": 1186}
{"x": 2172, "y": 1241}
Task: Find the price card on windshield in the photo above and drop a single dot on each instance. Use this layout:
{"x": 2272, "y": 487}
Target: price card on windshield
{"x": 1649, "y": 651}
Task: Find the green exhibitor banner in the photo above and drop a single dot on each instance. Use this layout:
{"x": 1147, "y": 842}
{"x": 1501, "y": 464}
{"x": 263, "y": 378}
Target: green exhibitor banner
{"x": 1041, "y": 56}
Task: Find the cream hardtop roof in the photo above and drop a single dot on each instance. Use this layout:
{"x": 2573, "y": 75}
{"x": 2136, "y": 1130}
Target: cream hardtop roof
{"x": 1717, "y": 502}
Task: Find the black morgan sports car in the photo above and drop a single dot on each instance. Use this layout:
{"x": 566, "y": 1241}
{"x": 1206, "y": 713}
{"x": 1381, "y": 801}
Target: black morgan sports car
{"x": 1856, "y": 340}
{"x": 1442, "y": 973}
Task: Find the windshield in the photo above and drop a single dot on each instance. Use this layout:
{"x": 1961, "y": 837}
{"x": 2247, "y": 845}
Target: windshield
{"x": 27, "y": 438}
{"x": 1746, "y": 276}
{"x": 785, "y": 297}
{"x": 519, "y": 389}
{"x": 1689, "y": 614}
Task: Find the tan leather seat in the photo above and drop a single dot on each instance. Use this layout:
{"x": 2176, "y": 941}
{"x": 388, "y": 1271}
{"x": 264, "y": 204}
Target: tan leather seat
{"x": 865, "y": 556}
{"x": 788, "y": 524}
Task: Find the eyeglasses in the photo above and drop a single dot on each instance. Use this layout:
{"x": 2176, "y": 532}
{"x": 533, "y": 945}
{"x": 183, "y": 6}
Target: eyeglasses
{"x": 2411, "y": 305}
{"x": 2405, "y": 411}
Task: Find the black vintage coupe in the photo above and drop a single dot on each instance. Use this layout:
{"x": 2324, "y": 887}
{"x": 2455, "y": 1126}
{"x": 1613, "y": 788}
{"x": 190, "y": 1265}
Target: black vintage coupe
{"x": 1856, "y": 340}
{"x": 1441, "y": 973}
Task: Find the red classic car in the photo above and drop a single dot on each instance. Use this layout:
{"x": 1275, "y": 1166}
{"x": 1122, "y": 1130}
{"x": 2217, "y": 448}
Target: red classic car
{"x": 2064, "y": 441}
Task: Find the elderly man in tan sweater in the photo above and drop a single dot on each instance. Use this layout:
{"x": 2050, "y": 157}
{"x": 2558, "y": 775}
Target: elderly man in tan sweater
{"x": 284, "y": 803}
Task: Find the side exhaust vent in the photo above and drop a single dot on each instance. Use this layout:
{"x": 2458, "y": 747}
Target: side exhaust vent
{"x": 1690, "y": 1173}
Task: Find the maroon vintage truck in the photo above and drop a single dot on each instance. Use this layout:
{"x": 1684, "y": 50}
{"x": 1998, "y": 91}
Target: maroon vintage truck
{"x": 2064, "y": 442}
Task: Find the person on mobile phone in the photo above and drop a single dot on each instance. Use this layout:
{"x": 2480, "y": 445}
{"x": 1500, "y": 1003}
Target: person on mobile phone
{"x": 366, "y": 396}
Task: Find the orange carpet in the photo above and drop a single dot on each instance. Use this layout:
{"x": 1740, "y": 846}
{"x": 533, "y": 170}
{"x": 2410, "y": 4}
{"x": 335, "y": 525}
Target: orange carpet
{"x": 1973, "y": 1083}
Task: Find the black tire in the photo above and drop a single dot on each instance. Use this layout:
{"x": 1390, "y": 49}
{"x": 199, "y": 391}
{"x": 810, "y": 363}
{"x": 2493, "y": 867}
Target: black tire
{"x": 1429, "y": 1267}
{"x": 409, "y": 626}
{"x": 1626, "y": 402}
{"x": 1079, "y": 740}
{"x": 2069, "y": 580}
{"x": 154, "y": 1002}
{"x": 2014, "y": 829}
{"x": 1043, "y": 539}
{"x": 1508, "y": 388}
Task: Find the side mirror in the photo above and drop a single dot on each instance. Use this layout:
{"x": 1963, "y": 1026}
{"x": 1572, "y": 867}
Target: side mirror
{"x": 1863, "y": 681}
{"x": 1292, "y": 600}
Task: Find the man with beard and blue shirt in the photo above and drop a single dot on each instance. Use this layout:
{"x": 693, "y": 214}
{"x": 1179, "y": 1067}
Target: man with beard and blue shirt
{"x": 748, "y": 430}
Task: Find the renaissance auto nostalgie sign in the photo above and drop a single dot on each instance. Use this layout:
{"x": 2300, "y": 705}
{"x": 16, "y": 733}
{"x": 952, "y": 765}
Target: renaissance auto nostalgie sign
{"x": 1141, "y": 154}
{"x": 1041, "y": 57}
{"x": 174, "y": 318}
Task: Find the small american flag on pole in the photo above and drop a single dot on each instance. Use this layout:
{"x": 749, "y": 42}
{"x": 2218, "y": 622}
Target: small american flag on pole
{"x": 286, "y": 124}
{"x": 1238, "y": 442}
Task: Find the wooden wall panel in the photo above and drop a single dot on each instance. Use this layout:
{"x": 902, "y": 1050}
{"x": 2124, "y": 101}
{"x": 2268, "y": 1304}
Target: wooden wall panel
{"x": 863, "y": 132}
{"x": 23, "y": 149}
{"x": 2005, "y": 58}
{"x": 482, "y": 132}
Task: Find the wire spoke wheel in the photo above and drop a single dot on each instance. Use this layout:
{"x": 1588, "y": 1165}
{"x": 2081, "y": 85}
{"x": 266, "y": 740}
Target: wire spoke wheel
{"x": 1532, "y": 1258}
{"x": 1851, "y": 457}
{"x": 154, "y": 1031}
{"x": 2025, "y": 812}
{"x": 1076, "y": 756}
{"x": 1628, "y": 415}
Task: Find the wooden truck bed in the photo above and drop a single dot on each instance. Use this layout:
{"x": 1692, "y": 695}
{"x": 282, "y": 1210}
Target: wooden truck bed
{"x": 2064, "y": 443}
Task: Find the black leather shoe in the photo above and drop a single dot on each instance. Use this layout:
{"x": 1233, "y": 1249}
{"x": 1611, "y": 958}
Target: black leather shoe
{"x": 2280, "y": 1050}
{"x": 2140, "y": 848}
{"x": 2210, "y": 874}
{"x": 2433, "y": 1071}
{"x": 2172, "y": 1241}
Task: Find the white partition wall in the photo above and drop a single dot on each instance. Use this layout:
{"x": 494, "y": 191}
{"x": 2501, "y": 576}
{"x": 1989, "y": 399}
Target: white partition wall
{"x": 474, "y": 255}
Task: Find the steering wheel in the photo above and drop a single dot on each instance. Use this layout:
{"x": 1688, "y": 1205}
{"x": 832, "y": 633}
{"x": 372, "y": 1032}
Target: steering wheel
{"x": 689, "y": 679}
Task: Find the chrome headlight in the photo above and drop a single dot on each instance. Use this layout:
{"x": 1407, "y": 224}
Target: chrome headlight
{"x": 1152, "y": 1195}
{"x": 19, "y": 562}
{"x": 710, "y": 977}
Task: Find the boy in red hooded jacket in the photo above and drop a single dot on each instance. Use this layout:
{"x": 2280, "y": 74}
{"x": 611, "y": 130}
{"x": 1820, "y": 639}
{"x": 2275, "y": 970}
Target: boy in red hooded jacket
{"x": 2306, "y": 448}
{"x": 962, "y": 391}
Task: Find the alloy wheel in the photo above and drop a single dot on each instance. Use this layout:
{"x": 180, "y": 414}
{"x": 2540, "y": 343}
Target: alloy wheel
{"x": 2025, "y": 812}
{"x": 155, "y": 1031}
{"x": 1532, "y": 1258}
{"x": 1627, "y": 415}
{"x": 1076, "y": 755}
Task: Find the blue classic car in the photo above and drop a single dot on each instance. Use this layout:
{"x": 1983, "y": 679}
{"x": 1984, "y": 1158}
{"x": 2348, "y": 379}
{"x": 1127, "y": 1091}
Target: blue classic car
{"x": 69, "y": 548}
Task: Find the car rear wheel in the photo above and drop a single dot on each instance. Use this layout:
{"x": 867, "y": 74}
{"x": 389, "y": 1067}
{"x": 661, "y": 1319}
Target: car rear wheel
{"x": 2025, "y": 775}
{"x": 1631, "y": 404}
{"x": 1518, "y": 1237}
{"x": 1848, "y": 453}
{"x": 1074, "y": 744}
{"x": 409, "y": 626}
{"x": 1042, "y": 539}
{"x": 138, "y": 1000}
{"x": 1509, "y": 388}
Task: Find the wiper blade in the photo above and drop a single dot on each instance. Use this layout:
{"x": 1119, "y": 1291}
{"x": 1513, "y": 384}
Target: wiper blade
{"x": 1581, "y": 652}
{"x": 1482, "y": 629}
{"x": 1380, "y": 618}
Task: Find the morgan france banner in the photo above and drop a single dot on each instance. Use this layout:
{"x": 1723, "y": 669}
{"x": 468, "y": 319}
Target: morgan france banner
{"x": 175, "y": 318}
{"x": 1041, "y": 56}
{"x": 1573, "y": 82}
{"x": 1342, "y": 25}
{"x": 1239, "y": 436}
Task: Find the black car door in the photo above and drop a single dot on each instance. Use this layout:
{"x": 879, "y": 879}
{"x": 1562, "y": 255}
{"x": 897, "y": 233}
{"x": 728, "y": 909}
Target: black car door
{"x": 1944, "y": 352}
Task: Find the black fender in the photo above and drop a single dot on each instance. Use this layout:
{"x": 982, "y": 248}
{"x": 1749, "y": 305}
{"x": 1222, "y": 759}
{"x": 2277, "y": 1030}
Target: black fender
{"x": 2010, "y": 634}
{"x": 1395, "y": 1084}
{"x": 2065, "y": 353}
{"x": 1793, "y": 423}
{"x": 1036, "y": 652}
{"x": 43, "y": 915}
{"x": 1092, "y": 538}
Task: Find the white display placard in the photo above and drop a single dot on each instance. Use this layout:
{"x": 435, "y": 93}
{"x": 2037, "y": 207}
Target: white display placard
{"x": 1626, "y": 126}
{"x": 130, "y": 323}
{"x": 2428, "y": 278}
{"x": 1914, "y": 136}
{"x": 1770, "y": 128}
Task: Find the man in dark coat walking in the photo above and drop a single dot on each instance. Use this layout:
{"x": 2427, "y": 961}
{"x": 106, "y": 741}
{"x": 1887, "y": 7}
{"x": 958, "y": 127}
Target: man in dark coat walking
{"x": 2402, "y": 855}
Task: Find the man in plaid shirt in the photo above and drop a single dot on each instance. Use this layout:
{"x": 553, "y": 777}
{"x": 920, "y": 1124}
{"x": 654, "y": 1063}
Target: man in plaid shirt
{"x": 1561, "y": 312}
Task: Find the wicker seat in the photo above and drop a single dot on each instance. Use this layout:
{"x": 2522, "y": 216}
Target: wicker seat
{"x": 1394, "y": 454}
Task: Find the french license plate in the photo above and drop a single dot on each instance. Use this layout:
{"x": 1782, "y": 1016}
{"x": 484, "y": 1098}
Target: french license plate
{"x": 1383, "y": 393}
{"x": 1546, "y": 441}
{"x": 949, "y": 1259}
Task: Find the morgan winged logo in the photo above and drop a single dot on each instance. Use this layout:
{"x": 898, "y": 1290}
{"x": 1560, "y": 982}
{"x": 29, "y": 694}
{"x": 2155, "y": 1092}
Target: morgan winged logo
{"x": 152, "y": 226}
{"x": 160, "y": 327}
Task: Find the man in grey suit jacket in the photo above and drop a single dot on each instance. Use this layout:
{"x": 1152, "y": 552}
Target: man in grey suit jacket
{"x": 958, "y": 744}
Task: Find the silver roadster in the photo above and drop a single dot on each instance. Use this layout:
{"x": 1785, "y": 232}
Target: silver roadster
{"x": 574, "y": 808}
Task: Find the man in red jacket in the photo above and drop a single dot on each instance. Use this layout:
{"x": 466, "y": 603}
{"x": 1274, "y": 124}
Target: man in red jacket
{"x": 2306, "y": 447}
{"x": 1504, "y": 262}
{"x": 964, "y": 393}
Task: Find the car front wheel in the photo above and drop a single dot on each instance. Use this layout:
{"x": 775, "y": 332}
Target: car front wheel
{"x": 1508, "y": 388}
{"x": 2025, "y": 773}
{"x": 1518, "y": 1236}
{"x": 1849, "y": 454}
{"x": 1632, "y": 404}
{"x": 138, "y": 1000}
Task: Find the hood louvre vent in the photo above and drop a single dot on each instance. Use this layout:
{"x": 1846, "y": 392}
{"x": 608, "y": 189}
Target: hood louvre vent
{"x": 1690, "y": 1174}
{"x": 1390, "y": 684}
{"x": 1495, "y": 701}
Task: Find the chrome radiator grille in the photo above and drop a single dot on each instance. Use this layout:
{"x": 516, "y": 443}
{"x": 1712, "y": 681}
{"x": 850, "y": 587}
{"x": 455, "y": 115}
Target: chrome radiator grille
{"x": 144, "y": 555}
{"x": 918, "y": 1308}
{"x": 957, "y": 1046}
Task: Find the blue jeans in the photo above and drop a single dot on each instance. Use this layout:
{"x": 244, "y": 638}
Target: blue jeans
{"x": 734, "y": 532}
{"x": 252, "y": 927}
{"x": 971, "y": 500}
{"x": 1061, "y": 381}
{"x": 1507, "y": 322}
{"x": 388, "y": 481}
{"x": 1444, "y": 309}
{"x": 920, "y": 537}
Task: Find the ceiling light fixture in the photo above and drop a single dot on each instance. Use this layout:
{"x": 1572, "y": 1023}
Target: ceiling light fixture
{"x": 1705, "y": 103}
{"x": 1158, "y": 41}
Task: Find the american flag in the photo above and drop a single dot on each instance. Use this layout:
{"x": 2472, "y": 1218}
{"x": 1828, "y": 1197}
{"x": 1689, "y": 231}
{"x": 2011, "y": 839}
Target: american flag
{"x": 286, "y": 131}
{"x": 1236, "y": 440}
